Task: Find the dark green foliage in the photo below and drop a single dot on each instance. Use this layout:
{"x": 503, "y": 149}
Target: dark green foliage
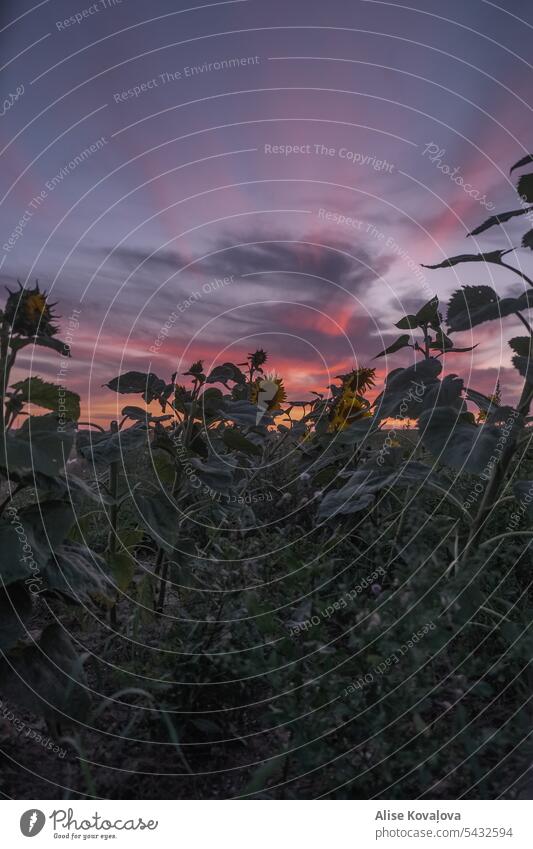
{"x": 472, "y": 305}
{"x": 501, "y": 218}
{"x": 492, "y": 256}
{"x": 525, "y": 187}
{"x": 242, "y": 582}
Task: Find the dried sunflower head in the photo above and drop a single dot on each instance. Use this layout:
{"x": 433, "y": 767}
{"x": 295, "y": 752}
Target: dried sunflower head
{"x": 196, "y": 370}
{"x": 29, "y": 312}
{"x": 258, "y": 358}
{"x": 359, "y": 380}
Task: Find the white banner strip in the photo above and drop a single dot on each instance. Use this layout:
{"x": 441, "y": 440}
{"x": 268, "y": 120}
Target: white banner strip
{"x": 256, "y": 825}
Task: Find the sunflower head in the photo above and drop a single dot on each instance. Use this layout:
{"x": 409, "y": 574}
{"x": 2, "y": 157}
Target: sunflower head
{"x": 348, "y": 408}
{"x": 268, "y": 390}
{"x": 257, "y": 359}
{"x": 196, "y": 370}
{"x": 29, "y": 312}
{"x": 359, "y": 380}
{"x": 348, "y": 404}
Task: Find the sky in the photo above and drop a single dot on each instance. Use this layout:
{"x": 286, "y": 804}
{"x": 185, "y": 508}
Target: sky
{"x": 200, "y": 180}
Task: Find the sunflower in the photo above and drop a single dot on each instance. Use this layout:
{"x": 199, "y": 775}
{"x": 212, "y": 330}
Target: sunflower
{"x": 360, "y": 379}
{"x": 348, "y": 408}
{"x": 29, "y": 312}
{"x": 265, "y": 386}
{"x": 348, "y": 404}
{"x": 258, "y": 358}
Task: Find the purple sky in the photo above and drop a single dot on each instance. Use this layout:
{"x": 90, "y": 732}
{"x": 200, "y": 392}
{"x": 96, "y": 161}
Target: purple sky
{"x": 191, "y": 181}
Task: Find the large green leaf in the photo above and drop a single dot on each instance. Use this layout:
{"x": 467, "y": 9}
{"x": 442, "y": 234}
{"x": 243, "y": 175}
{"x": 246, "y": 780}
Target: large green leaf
{"x": 244, "y": 413}
{"x": 429, "y": 313}
{"x": 491, "y": 256}
{"x": 405, "y": 389}
{"x": 527, "y": 240}
{"x": 164, "y": 467}
{"x": 68, "y": 487}
{"x": 50, "y": 435}
{"x": 235, "y": 441}
{"x": 361, "y": 488}
{"x": 408, "y": 322}
{"x": 140, "y": 414}
{"x": 122, "y": 566}
{"x": 445, "y": 393}
{"x": 161, "y": 518}
{"x": 51, "y": 520}
{"x": 523, "y": 359}
{"x": 356, "y": 432}
{"x": 401, "y": 342}
{"x": 216, "y": 473}
{"x": 18, "y": 458}
{"x": 521, "y": 162}
{"x": 472, "y": 305}
{"x": 29, "y": 535}
{"x": 225, "y": 373}
{"x": 112, "y": 446}
{"x": 525, "y": 188}
{"x": 76, "y": 572}
{"x": 138, "y": 382}
{"x": 47, "y": 677}
{"x": 500, "y": 218}
{"x": 52, "y": 342}
{"x": 353, "y": 497}
{"x": 51, "y": 397}
{"x": 42, "y": 444}
{"x": 524, "y": 366}
{"x": 456, "y": 442}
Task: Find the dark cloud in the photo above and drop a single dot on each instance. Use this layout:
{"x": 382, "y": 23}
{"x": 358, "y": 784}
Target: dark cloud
{"x": 272, "y": 267}
{"x": 248, "y": 253}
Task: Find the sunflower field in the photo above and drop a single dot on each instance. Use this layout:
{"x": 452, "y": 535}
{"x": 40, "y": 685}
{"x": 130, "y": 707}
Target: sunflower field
{"x": 229, "y": 593}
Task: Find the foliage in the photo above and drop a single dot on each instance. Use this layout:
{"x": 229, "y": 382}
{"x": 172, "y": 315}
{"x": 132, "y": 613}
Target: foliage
{"x": 220, "y": 515}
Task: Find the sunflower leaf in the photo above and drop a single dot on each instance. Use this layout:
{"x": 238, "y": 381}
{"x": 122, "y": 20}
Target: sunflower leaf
{"x": 429, "y": 313}
{"x": 225, "y": 372}
{"x": 527, "y": 240}
{"x": 491, "y": 256}
{"x": 34, "y": 390}
{"x": 521, "y": 162}
{"x": 402, "y": 341}
{"x": 408, "y": 322}
{"x": 525, "y": 187}
{"x": 234, "y": 440}
{"x": 500, "y": 218}
{"x": 473, "y": 305}
{"x": 138, "y": 382}
{"x": 456, "y": 442}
